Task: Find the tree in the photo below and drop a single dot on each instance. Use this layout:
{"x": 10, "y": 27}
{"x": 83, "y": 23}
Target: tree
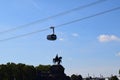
{"x": 89, "y": 78}
{"x": 43, "y": 68}
{"x": 76, "y": 77}
{"x": 114, "y": 78}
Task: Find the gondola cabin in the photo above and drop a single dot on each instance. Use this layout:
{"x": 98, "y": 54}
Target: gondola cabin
{"x": 52, "y": 37}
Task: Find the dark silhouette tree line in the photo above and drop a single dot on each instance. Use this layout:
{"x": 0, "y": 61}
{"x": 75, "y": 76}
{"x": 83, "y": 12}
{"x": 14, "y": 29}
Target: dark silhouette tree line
{"x": 20, "y": 71}
{"x": 76, "y": 77}
{"x": 12, "y": 71}
{"x": 113, "y": 78}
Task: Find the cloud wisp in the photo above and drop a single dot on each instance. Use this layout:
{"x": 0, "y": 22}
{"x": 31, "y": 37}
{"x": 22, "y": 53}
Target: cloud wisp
{"x": 108, "y": 38}
{"x": 61, "y": 39}
{"x": 75, "y": 34}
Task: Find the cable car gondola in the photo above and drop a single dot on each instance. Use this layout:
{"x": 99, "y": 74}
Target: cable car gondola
{"x": 52, "y": 37}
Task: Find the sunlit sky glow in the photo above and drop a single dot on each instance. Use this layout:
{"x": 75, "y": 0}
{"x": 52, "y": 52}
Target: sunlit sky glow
{"x": 89, "y": 46}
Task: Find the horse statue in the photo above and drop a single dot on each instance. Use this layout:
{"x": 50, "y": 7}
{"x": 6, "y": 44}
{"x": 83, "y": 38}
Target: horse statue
{"x": 57, "y": 60}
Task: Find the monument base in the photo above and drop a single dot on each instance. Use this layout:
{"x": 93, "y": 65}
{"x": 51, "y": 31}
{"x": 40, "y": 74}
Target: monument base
{"x": 57, "y": 73}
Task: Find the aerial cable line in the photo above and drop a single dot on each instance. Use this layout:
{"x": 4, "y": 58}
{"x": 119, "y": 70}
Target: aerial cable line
{"x": 34, "y": 32}
{"x": 53, "y": 16}
{"x": 87, "y": 17}
{"x": 61, "y": 25}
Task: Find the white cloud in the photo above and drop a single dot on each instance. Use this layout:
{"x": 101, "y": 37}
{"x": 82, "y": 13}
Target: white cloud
{"x": 61, "y": 39}
{"x": 108, "y": 38}
{"x": 75, "y": 34}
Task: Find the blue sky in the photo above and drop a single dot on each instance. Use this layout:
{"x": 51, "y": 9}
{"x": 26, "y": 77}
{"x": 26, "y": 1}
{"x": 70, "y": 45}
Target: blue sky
{"x": 88, "y": 46}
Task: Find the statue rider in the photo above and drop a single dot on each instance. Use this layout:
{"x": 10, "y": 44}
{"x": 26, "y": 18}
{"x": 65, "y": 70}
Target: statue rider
{"x": 57, "y": 59}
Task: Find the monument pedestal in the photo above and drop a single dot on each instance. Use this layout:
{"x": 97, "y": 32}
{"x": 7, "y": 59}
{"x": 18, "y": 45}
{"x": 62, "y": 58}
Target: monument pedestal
{"x": 57, "y": 69}
{"x": 57, "y": 73}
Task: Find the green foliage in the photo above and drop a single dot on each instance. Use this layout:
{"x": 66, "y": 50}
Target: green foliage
{"x": 114, "y": 78}
{"x": 11, "y": 71}
{"x": 76, "y": 77}
{"x": 43, "y": 68}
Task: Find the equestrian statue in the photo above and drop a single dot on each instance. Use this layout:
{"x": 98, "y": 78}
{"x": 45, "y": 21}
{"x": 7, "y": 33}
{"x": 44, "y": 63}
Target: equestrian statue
{"x": 57, "y": 60}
